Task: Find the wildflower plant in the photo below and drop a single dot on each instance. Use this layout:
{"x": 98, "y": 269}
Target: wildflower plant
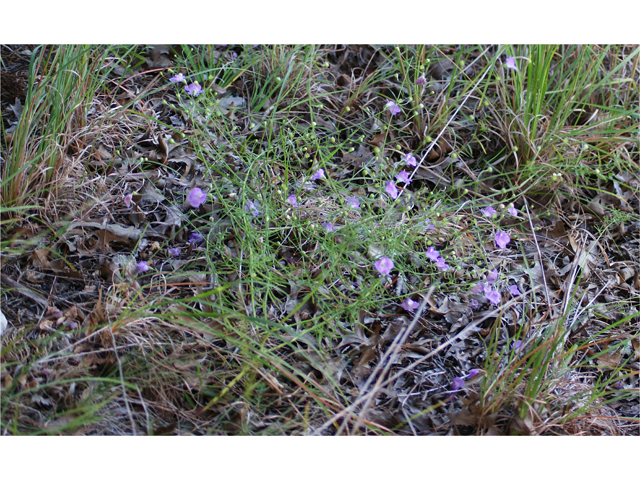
{"x": 384, "y": 266}
{"x": 196, "y": 197}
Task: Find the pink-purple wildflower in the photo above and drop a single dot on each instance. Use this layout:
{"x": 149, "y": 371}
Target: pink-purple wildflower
{"x": 403, "y": 177}
{"x": 127, "y": 199}
{"x": 502, "y": 239}
{"x": 511, "y": 63}
{"x": 489, "y": 211}
{"x": 493, "y": 276}
{"x": 410, "y": 160}
{"x": 513, "y": 290}
{"x": 328, "y": 227}
{"x": 512, "y": 211}
{"x": 421, "y": 80}
{"x": 196, "y": 197}
{"x": 384, "y": 265}
{"x": 193, "y": 89}
{"x": 516, "y": 345}
{"x": 143, "y": 267}
{"x": 174, "y": 252}
{"x": 293, "y": 201}
{"x": 177, "y": 78}
{"x": 194, "y": 238}
{"x": 318, "y": 174}
{"x": 432, "y": 254}
{"x": 409, "y": 305}
{"x": 391, "y": 189}
{"x": 353, "y": 202}
{"x": 492, "y": 295}
{"x": 253, "y": 207}
{"x": 428, "y": 225}
{"x": 457, "y": 384}
{"x": 473, "y": 373}
{"x": 441, "y": 264}
{"x": 393, "y": 107}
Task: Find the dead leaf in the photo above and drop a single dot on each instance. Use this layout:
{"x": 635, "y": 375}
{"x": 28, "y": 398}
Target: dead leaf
{"x": 609, "y": 359}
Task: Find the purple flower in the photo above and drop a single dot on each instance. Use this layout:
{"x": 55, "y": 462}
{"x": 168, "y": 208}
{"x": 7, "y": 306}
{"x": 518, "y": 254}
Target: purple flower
{"x": 195, "y": 238}
{"x": 493, "y": 276}
{"x": 511, "y": 63}
{"x": 384, "y": 265}
{"x": 478, "y": 288}
{"x": 516, "y": 345}
{"x": 512, "y": 211}
{"x": 513, "y": 290}
{"x": 489, "y": 211}
{"x": 353, "y": 202}
{"x": 393, "y": 107}
{"x": 493, "y": 296}
{"x": 410, "y": 160}
{"x": 391, "y": 189}
{"x": 127, "y": 199}
{"x": 328, "y": 227}
{"x": 409, "y": 305}
{"x": 143, "y": 267}
{"x": 252, "y": 207}
{"x": 293, "y": 201}
{"x": 421, "y": 80}
{"x": 441, "y": 264}
{"x": 502, "y": 239}
{"x": 177, "y": 78}
{"x": 473, "y": 373}
{"x": 457, "y": 384}
{"x": 318, "y": 174}
{"x": 193, "y": 89}
{"x": 403, "y": 177}
{"x": 473, "y": 304}
{"x": 428, "y": 225}
{"x": 174, "y": 252}
{"x": 196, "y": 197}
{"x": 433, "y": 254}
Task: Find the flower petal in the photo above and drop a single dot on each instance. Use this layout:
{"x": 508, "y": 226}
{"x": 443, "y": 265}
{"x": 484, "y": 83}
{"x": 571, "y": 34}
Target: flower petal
{"x": 409, "y": 305}
{"x": 502, "y": 239}
{"x": 143, "y": 267}
{"x": 513, "y": 290}
{"x": 384, "y": 265}
{"x": 489, "y": 211}
{"x": 328, "y": 227}
{"x": 403, "y": 177}
{"x": 353, "y": 202}
{"x": 293, "y": 201}
{"x": 457, "y": 384}
{"x": 493, "y": 296}
{"x": 196, "y": 197}
{"x": 394, "y": 109}
{"x": 318, "y": 174}
{"x": 391, "y": 189}
{"x": 493, "y": 276}
{"x": 432, "y": 254}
